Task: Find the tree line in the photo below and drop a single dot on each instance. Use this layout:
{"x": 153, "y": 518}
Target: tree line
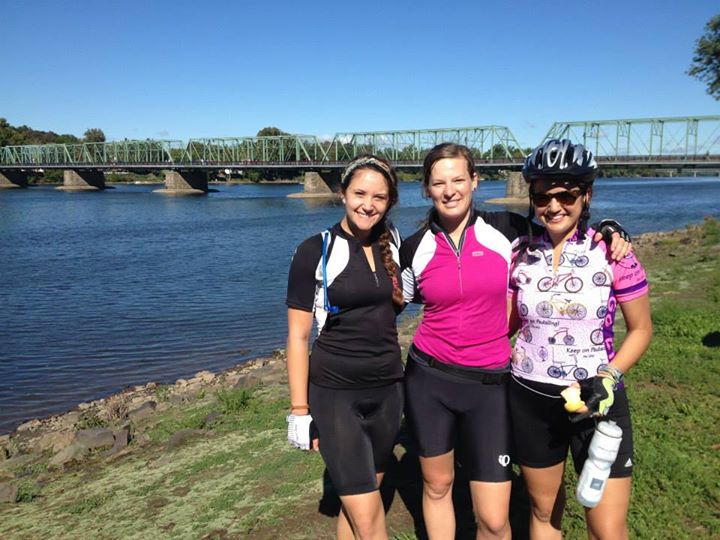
{"x": 21, "y": 135}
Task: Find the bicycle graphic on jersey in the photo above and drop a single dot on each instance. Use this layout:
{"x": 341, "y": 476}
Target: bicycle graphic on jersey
{"x": 574, "y": 259}
{"x": 572, "y": 283}
{"x": 563, "y": 334}
{"x": 596, "y": 336}
{"x": 523, "y": 360}
{"x": 558, "y": 369}
{"x": 564, "y": 306}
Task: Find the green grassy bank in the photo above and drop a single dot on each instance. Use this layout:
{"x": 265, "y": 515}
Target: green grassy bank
{"x": 218, "y": 466}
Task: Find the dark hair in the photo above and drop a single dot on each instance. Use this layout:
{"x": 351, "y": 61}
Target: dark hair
{"x": 446, "y": 151}
{"x": 383, "y": 166}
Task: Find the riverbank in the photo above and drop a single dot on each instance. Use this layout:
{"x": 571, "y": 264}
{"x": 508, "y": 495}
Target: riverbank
{"x": 206, "y": 457}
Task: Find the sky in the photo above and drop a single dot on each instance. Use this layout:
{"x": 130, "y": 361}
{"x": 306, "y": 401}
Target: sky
{"x": 178, "y": 69}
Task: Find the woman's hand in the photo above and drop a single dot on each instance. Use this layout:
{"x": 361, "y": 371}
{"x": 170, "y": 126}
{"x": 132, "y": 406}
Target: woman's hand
{"x": 616, "y": 238}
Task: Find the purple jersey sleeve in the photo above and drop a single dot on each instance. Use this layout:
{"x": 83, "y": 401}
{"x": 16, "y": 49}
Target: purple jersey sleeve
{"x": 629, "y": 279}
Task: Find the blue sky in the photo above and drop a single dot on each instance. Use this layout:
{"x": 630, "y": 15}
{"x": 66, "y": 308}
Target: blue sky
{"x": 187, "y": 69}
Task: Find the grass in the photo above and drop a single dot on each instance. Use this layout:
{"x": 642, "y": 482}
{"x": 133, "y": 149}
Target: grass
{"x": 240, "y": 479}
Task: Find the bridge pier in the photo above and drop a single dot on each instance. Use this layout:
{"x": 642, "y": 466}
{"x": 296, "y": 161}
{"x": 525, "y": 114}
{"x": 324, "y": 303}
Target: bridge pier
{"x": 516, "y": 187}
{"x": 82, "y": 180}
{"x": 320, "y": 184}
{"x": 13, "y": 179}
{"x": 185, "y": 183}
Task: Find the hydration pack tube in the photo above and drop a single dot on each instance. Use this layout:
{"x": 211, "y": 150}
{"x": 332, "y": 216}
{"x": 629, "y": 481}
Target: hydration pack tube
{"x": 326, "y": 306}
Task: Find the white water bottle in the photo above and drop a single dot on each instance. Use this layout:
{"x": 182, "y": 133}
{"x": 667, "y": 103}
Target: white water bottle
{"x": 601, "y": 455}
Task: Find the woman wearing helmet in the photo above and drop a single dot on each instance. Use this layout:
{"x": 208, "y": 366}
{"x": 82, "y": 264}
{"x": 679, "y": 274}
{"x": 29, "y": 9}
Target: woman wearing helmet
{"x": 565, "y": 289}
{"x": 457, "y": 265}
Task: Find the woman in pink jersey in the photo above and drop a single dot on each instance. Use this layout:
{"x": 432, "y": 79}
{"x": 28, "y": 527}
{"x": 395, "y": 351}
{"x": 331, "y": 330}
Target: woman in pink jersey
{"x": 457, "y": 373}
{"x": 565, "y": 290}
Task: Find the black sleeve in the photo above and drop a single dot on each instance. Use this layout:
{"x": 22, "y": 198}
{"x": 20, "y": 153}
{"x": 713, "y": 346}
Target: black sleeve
{"x": 301, "y": 278}
{"x": 512, "y": 225}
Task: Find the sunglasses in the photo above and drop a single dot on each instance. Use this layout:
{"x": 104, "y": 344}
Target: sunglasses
{"x": 566, "y": 198}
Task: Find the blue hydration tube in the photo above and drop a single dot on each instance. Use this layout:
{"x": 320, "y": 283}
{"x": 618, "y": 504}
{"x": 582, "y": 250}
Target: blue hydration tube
{"x": 327, "y": 306}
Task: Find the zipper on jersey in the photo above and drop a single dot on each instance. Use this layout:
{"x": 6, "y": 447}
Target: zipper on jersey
{"x": 377, "y": 281}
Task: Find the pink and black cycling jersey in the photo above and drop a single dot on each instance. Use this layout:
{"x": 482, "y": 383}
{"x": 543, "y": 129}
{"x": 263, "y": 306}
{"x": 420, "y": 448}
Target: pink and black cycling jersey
{"x": 463, "y": 289}
{"x": 567, "y": 315}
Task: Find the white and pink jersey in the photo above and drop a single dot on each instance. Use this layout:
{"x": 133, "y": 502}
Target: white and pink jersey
{"x": 463, "y": 289}
{"x": 567, "y": 315}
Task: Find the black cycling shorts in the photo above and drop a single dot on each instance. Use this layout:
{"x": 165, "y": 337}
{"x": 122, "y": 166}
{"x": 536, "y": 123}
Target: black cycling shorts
{"x": 447, "y": 411}
{"x": 357, "y": 430}
{"x": 543, "y": 433}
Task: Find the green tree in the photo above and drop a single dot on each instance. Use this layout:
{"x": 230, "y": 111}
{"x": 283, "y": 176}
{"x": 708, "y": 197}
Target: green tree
{"x": 270, "y": 132}
{"x": 706, "y": 62}
{"x": 94, "y": 135}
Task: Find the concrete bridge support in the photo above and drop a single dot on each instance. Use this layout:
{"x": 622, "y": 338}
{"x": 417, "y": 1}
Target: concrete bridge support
{"x": 13, "y": 179}
{"x": 322, "y": 183}
{"x": 185, "y": 183}
{"x": 516, "y": 187}
{"x": 83, "y": 180}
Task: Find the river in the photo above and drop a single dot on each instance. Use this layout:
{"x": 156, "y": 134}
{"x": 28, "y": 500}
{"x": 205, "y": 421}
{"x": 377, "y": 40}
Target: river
{"x": 101, "y": 291}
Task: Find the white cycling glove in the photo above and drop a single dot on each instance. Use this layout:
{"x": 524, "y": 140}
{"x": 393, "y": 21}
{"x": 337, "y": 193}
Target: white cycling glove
{"x": 299, "y": 431}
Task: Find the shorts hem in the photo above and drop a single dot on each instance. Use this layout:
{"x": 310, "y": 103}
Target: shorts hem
{"x": 539, "y": 465}
{"x": 493, "y": 480}
{"x": 360, "y": 490}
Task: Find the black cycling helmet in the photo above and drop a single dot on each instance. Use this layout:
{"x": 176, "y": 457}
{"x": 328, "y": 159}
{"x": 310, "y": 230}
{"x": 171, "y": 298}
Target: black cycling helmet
{"x": 561, "y": 160}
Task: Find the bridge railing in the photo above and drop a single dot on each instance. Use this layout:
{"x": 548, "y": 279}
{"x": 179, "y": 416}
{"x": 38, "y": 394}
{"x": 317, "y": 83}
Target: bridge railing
{"x": 115, "y": 153}
{"x": 268, "y": 149}
{"x": 486, "y": 142}
{"x": 691, "y": 136}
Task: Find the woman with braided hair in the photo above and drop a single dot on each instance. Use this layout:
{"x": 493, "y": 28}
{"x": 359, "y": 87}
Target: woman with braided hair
{"x": 347, "y": 276}
{"x": 566, "y": 289}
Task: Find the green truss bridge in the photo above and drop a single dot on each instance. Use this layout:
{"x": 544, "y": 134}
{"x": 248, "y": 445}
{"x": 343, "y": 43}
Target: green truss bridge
{"x": 680, "y": 142}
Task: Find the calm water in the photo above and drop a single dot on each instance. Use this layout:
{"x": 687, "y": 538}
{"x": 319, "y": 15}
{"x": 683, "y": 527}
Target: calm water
{"x": 104, "y": 290}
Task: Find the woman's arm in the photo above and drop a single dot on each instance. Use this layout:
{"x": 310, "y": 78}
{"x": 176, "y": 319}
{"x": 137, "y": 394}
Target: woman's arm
{"x": 298, "y": 359}
{"x": 639, "y": 333}
{"x": 637, "y": 340}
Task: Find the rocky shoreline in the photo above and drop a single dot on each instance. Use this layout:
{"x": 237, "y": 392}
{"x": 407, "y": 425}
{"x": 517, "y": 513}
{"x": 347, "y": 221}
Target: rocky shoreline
{"x": 112, "y": 427}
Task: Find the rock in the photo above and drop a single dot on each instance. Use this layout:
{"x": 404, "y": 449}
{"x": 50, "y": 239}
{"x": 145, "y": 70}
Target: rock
{"x": 211, "y": 418}
{"x": 184, "y": 435}
{"x": 29, "y": 425}
{"x": 121, "y": 442}
{"x": 95, "y": 438}
{"x": 179, "y": 398}
{"x": 8, "y": 493}
{"x": 163, "y": 406}
{"x": 69, "y": 420}
{"x": 83, "y": 406}
{"x": 204, "y": 376}
{"x": 247, "y": 381}
{"x": 151, "y": 386}
{"x": 55, "y": 440}
{"x": 141, "y": 439}
{"x": 146, "y": 410}
{"x": 76, "y": 452}
{"x": 15, "y": 462}
{"x": 181, "y": 382}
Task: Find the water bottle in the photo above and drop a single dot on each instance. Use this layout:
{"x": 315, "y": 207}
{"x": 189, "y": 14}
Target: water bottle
{"x": 601, "y": 455}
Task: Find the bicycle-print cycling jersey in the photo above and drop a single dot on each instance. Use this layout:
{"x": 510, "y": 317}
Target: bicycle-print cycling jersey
{"x": 357, "y": 346}
{"x": 463, "y": 288}
{"x": 567, "y": 315}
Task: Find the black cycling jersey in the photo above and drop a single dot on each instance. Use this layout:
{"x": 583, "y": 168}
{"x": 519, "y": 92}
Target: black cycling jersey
{"x": 358, "y": 345}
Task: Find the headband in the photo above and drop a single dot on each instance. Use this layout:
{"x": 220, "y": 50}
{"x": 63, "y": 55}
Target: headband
{"x": 362, "y": 162}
